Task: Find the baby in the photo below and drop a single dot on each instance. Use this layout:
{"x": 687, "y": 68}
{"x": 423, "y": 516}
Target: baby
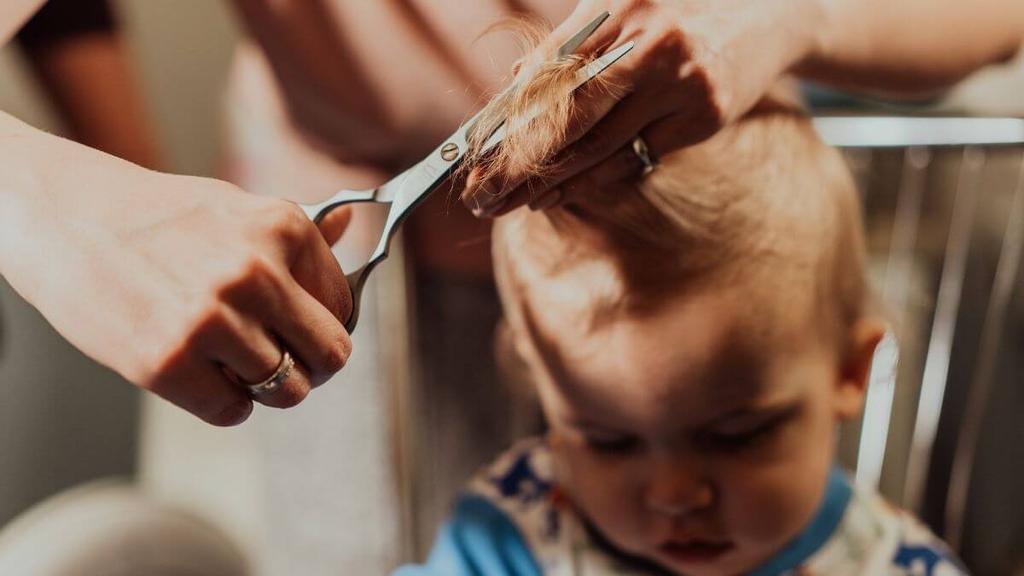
{"x": 695, "y": 338}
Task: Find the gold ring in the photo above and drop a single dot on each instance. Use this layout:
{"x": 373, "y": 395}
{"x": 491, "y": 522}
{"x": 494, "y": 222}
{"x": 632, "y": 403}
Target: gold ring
{"x": 272, "y": 384}
{"x": 644, "y": 154}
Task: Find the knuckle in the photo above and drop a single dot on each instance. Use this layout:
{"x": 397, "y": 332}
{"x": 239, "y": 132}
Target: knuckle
{"x": 289, "y": 221}
{"x": 629, "y": 8}
{"x": 252, "y": 273}
{"x": 335, "y": 357}
{"x": 289, "y": 396}
{"x": 714, "y": 98}
{"x": 166, "y": 353}
{"x": 210, "y": 318}
{"x": 669, "y": 44}
{"x": 159, "y": 368}
{"x": 209, "y": 322}
{"x": 253, "y": 267}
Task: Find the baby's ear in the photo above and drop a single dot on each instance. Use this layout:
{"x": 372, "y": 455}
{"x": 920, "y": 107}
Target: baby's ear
{"x": 856, "y": 367}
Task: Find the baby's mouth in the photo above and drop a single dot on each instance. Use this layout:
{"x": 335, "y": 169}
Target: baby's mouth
{"x": 695, "y": 550}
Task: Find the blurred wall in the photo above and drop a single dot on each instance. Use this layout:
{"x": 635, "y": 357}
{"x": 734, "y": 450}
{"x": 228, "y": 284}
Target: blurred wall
{"x": 183, "y": 50}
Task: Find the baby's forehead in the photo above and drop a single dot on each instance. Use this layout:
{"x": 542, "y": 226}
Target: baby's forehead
{"x": 574, "y": 274}
{"x": 701, "y": 352}
{"x": 584, "y": 306}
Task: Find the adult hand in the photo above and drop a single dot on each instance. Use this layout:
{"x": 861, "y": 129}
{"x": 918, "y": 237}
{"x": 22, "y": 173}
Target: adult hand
{"x": 188, "y": 287}
{"x": 697, "y": 65}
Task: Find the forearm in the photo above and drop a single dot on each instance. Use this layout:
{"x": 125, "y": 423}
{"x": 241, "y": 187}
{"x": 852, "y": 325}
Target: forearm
{"x": 49, "y": 185}
{"x": 31, "y": 189}
{"x": 14, "y": 13}
{"x": 911, "y": 46}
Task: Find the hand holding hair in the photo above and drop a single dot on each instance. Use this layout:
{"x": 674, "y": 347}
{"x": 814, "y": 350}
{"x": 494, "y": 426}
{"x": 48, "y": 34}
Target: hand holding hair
{"x": 696, "y": 67}
{"x": 699, "y": 65}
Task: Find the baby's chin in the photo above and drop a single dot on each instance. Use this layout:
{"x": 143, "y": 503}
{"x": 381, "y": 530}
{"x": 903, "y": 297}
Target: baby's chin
{"x": 723, "y": 558}
{"x": 691, "y": 556}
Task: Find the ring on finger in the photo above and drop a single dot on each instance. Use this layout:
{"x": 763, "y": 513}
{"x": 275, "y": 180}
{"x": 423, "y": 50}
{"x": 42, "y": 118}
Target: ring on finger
{"x": 644, "y": 154}
{"x": 274, "y": 382}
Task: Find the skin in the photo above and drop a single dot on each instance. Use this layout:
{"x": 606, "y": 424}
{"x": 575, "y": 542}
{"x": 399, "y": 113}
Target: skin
{"x": 135, "y": 244}
{"x": 705, "y": 422}
{"x": 175, "y": 278}
{"x": 124, "y": 236}
{"x": 700, "y": 65}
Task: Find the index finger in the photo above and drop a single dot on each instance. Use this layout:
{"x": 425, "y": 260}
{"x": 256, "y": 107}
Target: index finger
{"x": 549, "y": 125}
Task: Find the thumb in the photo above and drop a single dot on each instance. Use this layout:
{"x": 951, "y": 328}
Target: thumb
{"x": 335, "y": 223}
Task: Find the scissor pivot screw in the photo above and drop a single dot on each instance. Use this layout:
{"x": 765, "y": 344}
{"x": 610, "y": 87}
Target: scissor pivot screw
{"x": 450, "y": 151}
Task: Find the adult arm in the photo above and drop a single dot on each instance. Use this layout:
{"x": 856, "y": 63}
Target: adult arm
{"x": 912, "y": 46}
{"x": 13, "y": 14}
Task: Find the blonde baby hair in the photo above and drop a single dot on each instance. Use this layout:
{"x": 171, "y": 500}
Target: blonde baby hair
{"x": 764, "y": 202}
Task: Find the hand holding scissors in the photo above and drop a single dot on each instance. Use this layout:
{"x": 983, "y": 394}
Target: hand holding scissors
{"x": 190, "y": 288}
{"x": 410, "y": 188}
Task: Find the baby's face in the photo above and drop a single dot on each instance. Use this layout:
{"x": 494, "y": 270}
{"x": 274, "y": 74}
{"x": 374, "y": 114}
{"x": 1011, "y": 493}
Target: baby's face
{"x": 699, "y": 434}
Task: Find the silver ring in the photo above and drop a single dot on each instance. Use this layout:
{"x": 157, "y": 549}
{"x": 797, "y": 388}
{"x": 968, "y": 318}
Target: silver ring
{"x": 644, "y": 154}
{"x": 272, "y": 384}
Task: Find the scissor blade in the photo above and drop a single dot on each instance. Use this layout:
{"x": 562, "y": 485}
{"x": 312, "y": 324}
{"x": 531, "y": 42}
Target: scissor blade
{"x": 390, "y": 189}
{"x": 568, "y": 48}
{"x": 418, "y": 178}
{"x": 434, "y": 167}
{"x": 410, "y": 188}
{"x": 573, "y": 44}
{"x": 600, "y": 64}
{"x": 583, "y": 76}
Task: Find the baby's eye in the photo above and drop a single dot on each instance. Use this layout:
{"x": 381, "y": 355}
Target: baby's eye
{"x": 611, "y": 443}
{"x": 736, "y": 440}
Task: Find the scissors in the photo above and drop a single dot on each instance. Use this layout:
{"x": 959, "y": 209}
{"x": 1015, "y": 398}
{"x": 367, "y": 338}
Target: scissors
{"x": 409, "y": 189}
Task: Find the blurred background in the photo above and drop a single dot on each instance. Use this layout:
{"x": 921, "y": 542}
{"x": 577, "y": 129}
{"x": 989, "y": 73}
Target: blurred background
{"x": 356, "y": 480}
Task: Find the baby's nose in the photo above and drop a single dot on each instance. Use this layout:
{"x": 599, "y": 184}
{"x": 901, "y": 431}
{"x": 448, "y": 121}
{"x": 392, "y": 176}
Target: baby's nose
{"x": 675, "y": 488}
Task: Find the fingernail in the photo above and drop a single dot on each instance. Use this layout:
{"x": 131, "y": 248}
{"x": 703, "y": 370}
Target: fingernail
{"x": 487, "y": 195}
{"x": 488, "y": 210}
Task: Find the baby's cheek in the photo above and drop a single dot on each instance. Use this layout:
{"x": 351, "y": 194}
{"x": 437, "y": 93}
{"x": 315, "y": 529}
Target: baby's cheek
{"x": 773, "y": 493}
{"x": 767, "y": 506}
{"x": 605, "y": 492}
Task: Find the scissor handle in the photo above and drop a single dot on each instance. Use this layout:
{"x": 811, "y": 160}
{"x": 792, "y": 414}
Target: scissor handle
{"x": 357, "y": 278}
{"x": 320, "y": 210}
{"x": 356, "y": 281}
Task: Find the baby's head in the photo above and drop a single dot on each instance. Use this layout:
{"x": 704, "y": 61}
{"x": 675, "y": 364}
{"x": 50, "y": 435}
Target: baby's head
{"x": 695, "y": 338}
